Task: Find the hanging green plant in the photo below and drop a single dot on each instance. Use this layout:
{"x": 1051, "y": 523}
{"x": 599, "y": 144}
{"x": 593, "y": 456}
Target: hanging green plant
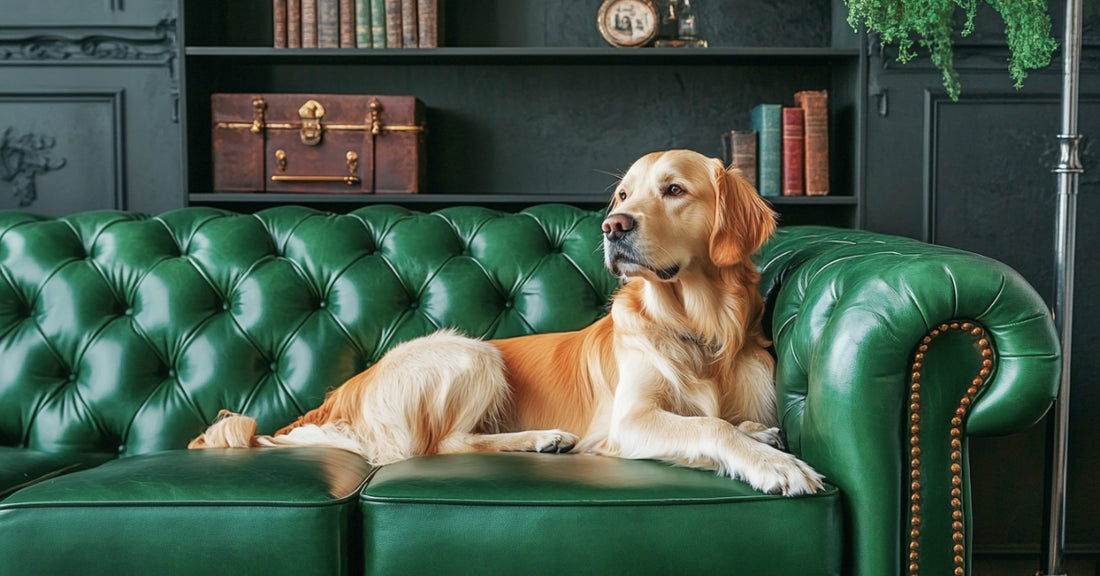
{"x": 932, "y": 22}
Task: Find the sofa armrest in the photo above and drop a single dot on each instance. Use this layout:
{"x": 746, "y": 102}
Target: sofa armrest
{"x": 890, "y": 352}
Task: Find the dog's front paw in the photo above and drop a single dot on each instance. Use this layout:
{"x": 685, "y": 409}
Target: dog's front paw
{"x": 776, "y": 472}
{"x": 555, "y": 441}
{"x": 761, "y": 433}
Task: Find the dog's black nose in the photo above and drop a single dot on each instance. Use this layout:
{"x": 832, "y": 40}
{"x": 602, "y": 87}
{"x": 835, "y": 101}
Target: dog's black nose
{"x": 615, "y": 225}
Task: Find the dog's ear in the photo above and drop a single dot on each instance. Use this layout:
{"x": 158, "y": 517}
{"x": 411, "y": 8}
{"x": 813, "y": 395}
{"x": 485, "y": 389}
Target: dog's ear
{"x": 743, "y": 221}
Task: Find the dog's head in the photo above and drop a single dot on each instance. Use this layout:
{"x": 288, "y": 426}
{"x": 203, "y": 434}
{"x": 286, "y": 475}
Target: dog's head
{"x": 678, "y": 209}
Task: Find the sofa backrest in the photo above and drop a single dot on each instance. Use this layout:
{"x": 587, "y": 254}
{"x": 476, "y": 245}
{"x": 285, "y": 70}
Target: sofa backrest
{"x": 123, "y": 334}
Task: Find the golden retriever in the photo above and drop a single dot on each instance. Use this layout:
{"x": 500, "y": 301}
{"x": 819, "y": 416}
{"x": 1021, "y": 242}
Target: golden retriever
{"x": 678, "y": 371}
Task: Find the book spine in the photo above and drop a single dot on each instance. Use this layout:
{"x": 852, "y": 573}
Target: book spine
{"x": 347, "y": 24}
{"x": 280, "y": 17}
{"x": 362, "y": 24}
{"x": 427, "y": 11}
{"x": 378, "y": 23}
{"x": 739, "y": 147}
{"x": 409, "y": 22}
{"x": 309, "y": 23}
{"x": 794, "y": 152}
{"x": 766, "y": 120}
{"x": 815, "y": 108}
{"x": 328, "y": 23}
{"x": 294, "y": 23}
{"x": 393, "y": 24}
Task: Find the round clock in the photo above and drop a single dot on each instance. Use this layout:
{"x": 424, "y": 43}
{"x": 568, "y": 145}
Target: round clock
{"x": 628, "y": 23}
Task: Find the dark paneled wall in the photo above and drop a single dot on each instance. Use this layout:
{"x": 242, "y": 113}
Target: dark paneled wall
{"x": 976, "y": 174}
{"x": 88, "y": 94}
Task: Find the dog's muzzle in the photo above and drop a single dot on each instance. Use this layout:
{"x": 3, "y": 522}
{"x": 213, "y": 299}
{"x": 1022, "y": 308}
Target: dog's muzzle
{"x": 620, "y": 250}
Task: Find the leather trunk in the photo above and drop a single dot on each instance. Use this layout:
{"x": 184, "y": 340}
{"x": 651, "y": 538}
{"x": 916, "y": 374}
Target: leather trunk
{"x": 318, "y": 143}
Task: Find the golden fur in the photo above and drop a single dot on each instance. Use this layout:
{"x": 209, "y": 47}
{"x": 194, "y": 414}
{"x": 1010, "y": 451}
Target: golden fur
{"x": 678, "y": 371}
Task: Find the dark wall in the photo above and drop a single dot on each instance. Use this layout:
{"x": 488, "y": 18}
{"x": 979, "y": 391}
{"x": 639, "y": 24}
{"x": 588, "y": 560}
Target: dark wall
{"x": 88, "y": 94}
{"x": 976, "y": 174}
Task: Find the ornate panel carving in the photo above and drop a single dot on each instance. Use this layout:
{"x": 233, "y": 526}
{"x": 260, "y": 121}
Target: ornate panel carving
{"x": 128, "y": 45}
{"x": 62, "y": 152}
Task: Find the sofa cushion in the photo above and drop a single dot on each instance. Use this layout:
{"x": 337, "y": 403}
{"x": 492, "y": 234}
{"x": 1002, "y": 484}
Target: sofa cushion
{"x": 21, "y": 467}
{"x": 239, "y": 512}
{"x": 580, "y": 514}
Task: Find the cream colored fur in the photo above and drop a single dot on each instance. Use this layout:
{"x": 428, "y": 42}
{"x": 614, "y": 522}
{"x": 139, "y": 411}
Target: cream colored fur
{"x": 678, "y": 371}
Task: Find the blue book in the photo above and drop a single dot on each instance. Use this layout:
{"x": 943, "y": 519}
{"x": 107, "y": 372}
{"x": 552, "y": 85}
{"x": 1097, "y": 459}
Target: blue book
{"x": 767, "y": 120}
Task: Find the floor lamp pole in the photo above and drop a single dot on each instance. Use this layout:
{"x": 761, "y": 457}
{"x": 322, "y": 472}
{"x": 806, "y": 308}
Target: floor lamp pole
{"x": 1069, "y": 168}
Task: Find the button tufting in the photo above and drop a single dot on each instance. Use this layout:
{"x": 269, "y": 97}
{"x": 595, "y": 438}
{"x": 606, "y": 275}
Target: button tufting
{"x": 508, "y": 304}
{"x": 273, "y": 367}
{"x": 322, "y": 304}
{"x": 225, "y": 305}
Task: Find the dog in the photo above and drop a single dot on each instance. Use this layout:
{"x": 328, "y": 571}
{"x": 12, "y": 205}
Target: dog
{"x": 678, "y": 371}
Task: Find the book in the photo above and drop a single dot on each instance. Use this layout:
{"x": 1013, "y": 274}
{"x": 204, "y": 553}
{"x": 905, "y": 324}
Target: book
{"x": 328, "y": 23}
{"x": 794, "y": 152}
{"x": 409, "y": 20}
{"x": 739, "y": 151}
{"x": 347, "y": 24}
{"x": 393, "y": 24}
{"x": 280, "y": 17}
{"x": 309, "y": 23}
{"x": 362, "y": 24}
{"x": 767, "y": 121}
{"x": 294, "y": 23}
{"x": 815, "y": 108}
{"x": 427, "y": 13}
{"x": 378, "y": 23}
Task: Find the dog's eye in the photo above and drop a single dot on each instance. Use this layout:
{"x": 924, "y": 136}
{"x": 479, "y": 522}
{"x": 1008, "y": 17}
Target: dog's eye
{"x": 675, "y": 190}
{"x": 622, "y": 194}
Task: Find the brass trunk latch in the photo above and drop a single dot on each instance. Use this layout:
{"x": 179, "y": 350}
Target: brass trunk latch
{"x": 311, "y": 113}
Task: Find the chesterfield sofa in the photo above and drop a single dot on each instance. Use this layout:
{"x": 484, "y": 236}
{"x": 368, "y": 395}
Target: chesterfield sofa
{"x": 122, "y": 335}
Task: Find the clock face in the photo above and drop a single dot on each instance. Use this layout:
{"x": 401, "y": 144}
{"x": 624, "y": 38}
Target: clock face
{"x": 628, "y": 23}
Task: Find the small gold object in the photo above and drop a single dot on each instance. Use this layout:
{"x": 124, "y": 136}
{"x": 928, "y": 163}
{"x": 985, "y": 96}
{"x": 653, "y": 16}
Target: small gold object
{"x": 311, "y": 113}
{"x": 258, "y": 108}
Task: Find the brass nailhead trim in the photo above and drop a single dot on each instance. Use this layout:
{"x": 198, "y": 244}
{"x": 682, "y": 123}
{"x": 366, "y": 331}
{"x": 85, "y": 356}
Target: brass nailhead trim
{"x": 958, "y": 535}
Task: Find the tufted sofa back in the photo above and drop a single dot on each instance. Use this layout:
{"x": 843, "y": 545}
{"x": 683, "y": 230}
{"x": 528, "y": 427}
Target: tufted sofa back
{"x": 122, "y": 334}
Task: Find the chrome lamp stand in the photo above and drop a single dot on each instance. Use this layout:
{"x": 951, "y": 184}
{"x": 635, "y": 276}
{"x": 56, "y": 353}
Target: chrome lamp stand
{"x": 1068, "y": 169}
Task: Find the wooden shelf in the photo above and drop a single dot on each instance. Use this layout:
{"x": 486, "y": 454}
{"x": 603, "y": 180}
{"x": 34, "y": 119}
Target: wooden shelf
{"x": 524, "y": 55}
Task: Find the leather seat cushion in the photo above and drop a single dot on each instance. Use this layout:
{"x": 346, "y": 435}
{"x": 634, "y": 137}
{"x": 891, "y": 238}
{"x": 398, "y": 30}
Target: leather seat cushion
{"x": 21, "y": 467}
{"x": 579, "y": 514}
{"x": 239, "y": 512}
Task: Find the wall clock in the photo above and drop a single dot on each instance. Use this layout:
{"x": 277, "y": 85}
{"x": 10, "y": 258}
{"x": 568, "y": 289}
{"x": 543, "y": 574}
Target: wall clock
{"x": 628, "y": 23}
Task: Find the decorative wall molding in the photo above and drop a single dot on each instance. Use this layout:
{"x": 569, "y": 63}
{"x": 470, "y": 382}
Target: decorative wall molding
{"x": 101, "y": 45}
{"x": 22, "y": 158}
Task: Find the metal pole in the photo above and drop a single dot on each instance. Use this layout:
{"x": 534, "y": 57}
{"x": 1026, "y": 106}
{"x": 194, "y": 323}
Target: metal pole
{"x": 1068, "y": 169}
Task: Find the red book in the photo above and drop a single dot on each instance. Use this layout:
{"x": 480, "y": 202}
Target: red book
{"x": 279, "y": 8}
{"x": 794, "y": 152}
{"x": 815, "y": 106}
{"x": 347, "y": 24}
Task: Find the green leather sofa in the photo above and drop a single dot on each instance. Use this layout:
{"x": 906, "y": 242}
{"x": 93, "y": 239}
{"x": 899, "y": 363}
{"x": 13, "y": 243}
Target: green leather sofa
{"x": 122, "y": 335}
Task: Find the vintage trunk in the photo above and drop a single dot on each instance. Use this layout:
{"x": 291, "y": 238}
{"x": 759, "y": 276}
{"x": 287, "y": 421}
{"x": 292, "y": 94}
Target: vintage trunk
{"x": 318, "y": 143}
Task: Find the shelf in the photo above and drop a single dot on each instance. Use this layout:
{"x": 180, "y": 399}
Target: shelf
{"x": 522, "y": 55}
{"x": 812, "y": 200}
{"x": 483, "y": 199}
{"x": 588, "y": 200}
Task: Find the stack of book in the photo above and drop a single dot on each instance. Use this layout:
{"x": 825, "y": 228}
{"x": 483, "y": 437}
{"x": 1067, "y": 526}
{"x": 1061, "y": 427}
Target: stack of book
{"x": 786, "y": 151}
{"x": 356, "y": 23}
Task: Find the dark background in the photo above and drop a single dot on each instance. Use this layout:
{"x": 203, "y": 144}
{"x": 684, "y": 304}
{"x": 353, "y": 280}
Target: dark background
{"x": 107, "y": 102}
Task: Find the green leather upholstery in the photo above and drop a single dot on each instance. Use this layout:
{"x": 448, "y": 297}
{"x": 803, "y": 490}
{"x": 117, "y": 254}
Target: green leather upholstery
{"x": 122, "y": 335}
{"x": 577, "y": 514}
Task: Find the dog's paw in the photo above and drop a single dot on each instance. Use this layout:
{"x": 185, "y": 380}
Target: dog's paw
{"x": 761, "y": 433}
{"x": 554, "y": 441}
{"x": 776, "y": 472}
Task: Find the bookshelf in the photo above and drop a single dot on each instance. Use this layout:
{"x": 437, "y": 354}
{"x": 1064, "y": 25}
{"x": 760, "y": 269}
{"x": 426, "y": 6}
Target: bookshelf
{"x": 527, "y": 103}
